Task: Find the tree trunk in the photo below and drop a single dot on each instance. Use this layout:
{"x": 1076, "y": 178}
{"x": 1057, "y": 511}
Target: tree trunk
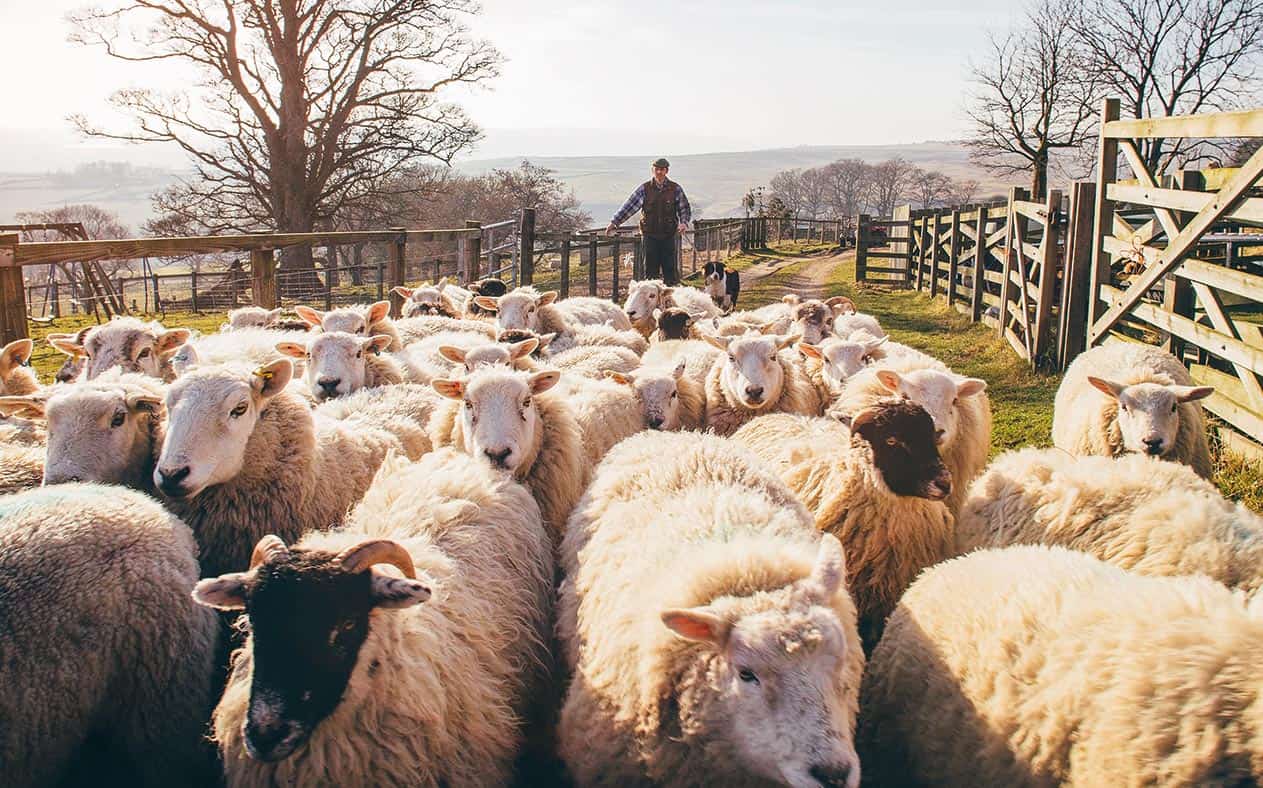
{"x": 331, "y": 265}
{"x": 1039, "y": 176}
{"x": 357, "y": 264}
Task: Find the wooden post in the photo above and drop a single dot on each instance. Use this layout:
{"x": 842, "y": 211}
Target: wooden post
{"x": 980, "y": 267}
{"x": 934, "y": 245}
{"x": 953, "y": 257}
{"x": 1009, "y": 266}
{"x": 193, "y": 283}
{"x": 438, "y": 270}
{"x": 638, "y": 270}
{"x": 263, "y": 277}
{"x": 329, "y": 275}
{"x": 473, "y": 251}
{"x": 922, "y": 240}
{"x": 1076, "y": 284}
{"x": 1040, "y": 344}
{"x": 592, "y": 252}
{"x": 861, "y": 247}
{"x": 564, "y": 290}
{"x": 618, "y": 260}
{"x": 1177, "y": 293}
{"x": 526, "y": 243}
{"x": 1106, "y": 173}
{"x": 395, "y": 275}
{"x": 12, "y": 295}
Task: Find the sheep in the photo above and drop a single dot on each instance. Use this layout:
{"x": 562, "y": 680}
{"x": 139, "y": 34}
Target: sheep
{"x": 599, "y": 336}
{"x": 415, "y": 329}
{"x": 528, "y": 308}
{"x": 337, "y": 363}
{"x": 243, "y": 456}
{"x": 15, "y": 376}
{"x": 813, "y": 320}
{"x": 517, "y": 355}
{"x": 833, "y": 362}
{"x": 1044, "y": 666}
{"x": 484, "y": 287}
{"x": 755, "y": 378}
{"x": 1137, "y": 512}
{"x": 127, "y": 343}
{"x": 673, "y": 323}
{"x": 646, "y": 295}
{"x": 21, "y": 468}
{"x": 694, "y": 584}
{"x": 443, "y": 300}
{"x": 1126, "y": 397}
{"x": 402, "y": 693}
{"x": 959, "y": 407}
{"x": 515, "y": 335}
{"x": 362, "y": 319}
{"x": 403, "y": 410}
{"x": 605, "y": 410}
{"x": 510, "y": 419}
{"x": 670, "y": 399}
{"x": 250, "y": 317}
{"x": 247, "y": 345}
{"x": 845, "y": 325}
{"x": 876, "y": 483}
{"x": 698, "y": 357}
{"x": 101, "y": 642}
{"x": 592, "y": 361}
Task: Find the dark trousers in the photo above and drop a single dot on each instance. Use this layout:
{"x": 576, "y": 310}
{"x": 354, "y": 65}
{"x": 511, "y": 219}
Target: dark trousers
{"x": 660, "y": 262}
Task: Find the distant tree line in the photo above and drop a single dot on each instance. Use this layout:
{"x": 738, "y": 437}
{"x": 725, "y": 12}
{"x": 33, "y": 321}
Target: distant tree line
{"x": 849, "y": 187}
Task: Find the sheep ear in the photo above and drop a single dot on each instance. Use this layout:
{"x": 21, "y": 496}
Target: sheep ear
{"x": 16, "y": 353}
{"x": 768, "y": 328}
{"x": 546, "y": 339}
{"x": 170, "y": 341}
{"x": 547, "y": 298}
{"x": 452, "y": 389}
{"x": 786, "y": 341}
{"x": 830, "y": 568}
{"x": 452, "y": 353}
{"x": 490, "y": 303}
{"x": 378, "y": 312}
{"x": 442, "y": 285}
{"x": 543, "y": 381}
{"x": 311, "y": 317}
{"x": 680, "y": 367}
{"x": 970, "y": 386}
{"x": 1106, "y": 387}
{"x": 377, "y": 343}
{"x": 29, "y": 406}
{"x": 401, "y": 291}
{"x": 185, "y": 358}
{"x": 523, "y": 349}
{"x": 719, "y": 342}
{"x": 808, "y": 349}
{"x": 70, "y": 347}
{"x": 873, "y": 344}
{"x": 1192, "y": 393}
{"x": 226, "y": 592}
{"x": 272, "y": 377}
{"x": 619, "y": 377}
{"x": 291, "y": 349}
{"x": 697, "y": 624}
{"x": 890, "y": 379}
{"x": 790, "y": 299}
{"x": 145, "y": 402}
{"x": 394, "y": 593}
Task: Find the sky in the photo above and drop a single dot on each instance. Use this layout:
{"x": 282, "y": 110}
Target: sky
{"x": 598, "y": 77}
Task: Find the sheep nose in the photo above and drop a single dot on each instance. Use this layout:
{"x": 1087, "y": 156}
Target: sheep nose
{"x": 498, "y": 458}
{"x": 1153, "y": 446}
{"x": 755, "y": 393}
{"x": 833, "y": 776}
{"x": 655, "y": 423}
{"x": 329, "y": 386}
{"x": 170, "y": 479}
{"x": 264, "y": 741}
{"x": 938, "y": 435}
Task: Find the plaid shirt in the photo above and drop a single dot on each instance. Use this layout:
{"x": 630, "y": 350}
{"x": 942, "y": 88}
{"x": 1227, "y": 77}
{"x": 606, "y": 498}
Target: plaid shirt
{"x": 683, "y": 211}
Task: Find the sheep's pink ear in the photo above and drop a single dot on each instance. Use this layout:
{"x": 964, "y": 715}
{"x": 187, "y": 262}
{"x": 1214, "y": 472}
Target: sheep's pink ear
{"x": 170, "y": 341}
{"x": 226, "y": 592}
{"x": 452, "y": 353}
{"x": 619, "y": 377}
{"x": 272, "y": 377}
{"x": 830, "y": 568}
{"x": 377, "y": 343}
{"x": 786, "y": 341}
{"x": 678, "y": 372}
{"x": 291, "y": 349}
{"x": 697, "y": 624}
{"x": 890, "y": 379}
{"x": 70, "y": 347}
{"x": 547, "y": 298}
{"x": 29, "y": 406}
{"x": 403, "y": 292}
{"x": 546, "y": 339}
{"x": 490, "y": 303}
{"x": 523, "y": 349}
{"x": 1192, "y": 393}
{"x": 768, "y": 328}
{"x": 378, "y": 312}
{"x": 720, "y": 342}
{"x": 311, "y": 317}
{"x": 970, "y": 386}
{"x": 1106, "y": 387}
{"x": 16, "y": 353}
{"x": 543, "y": 381}
{"x": 452, "y": 389}
{"x": 808, "y": 349}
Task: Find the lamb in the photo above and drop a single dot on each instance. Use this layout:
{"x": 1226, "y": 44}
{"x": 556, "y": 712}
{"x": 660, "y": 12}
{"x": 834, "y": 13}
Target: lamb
{"x": 755, "y": 378}
{"x": 101, "y": 641}
{"x": 510, "y": 419}
{"x": 669, "y": 399}
{"x": 443, "y": 300}
{"x": 528, "y": 308}
{"x": 272, "y": 467}
{"x": 337, "y": 363}
{"x": 876, "y": 483}
{"x": 250, "y": 317}
{"x": 1133, "y": 511}
{"x": 415, "y": 329}
{"x": 645, "y": 296}
{"x": 402, "y": 693}
{"x": 677, "y": 617}
{"x": 1044, "y": 666}
{"x": 362, "y": 319}
{"x": 127, "y": 343}
{"x": 1126, "y": 397}
{"x": 959, "y": 407}
{"x": 592, "y": 361}
{"x": 834, "y": 361}
{"x": 15, "y": 376}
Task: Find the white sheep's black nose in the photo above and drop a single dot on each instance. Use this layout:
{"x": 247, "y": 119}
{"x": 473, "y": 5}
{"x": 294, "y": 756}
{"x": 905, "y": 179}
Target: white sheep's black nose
{"x": 171, "y": 480}
{"x": 1153, "y": 446}
{"x": 655, "y": 423}
{"x": 831, "y": 776}
{"x": 755, "y": 393}
{"x": 499, "y": 458}
{"x": 329, "y": 385}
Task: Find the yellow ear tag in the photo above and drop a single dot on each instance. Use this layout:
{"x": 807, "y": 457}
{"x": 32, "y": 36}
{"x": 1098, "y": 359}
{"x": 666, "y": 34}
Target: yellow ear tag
{"x": 266, "y": 374}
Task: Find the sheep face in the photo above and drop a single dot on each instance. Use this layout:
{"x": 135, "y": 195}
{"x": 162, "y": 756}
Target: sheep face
{"x": 309, "y": 616}
{"x": 813, "y": 320}
{"x": 427, "y": 300}
{"x": 773, "y": 667}
{"x": 938, "y": 392}
{"x": 101, "y": 432}
{"x": 348, "y": 320}
{"x": 518, "y": 309}
{"x": 674, "y": 323}
{"x": 337, "y": 362}
{"x": 752, "y": 375}
{"x": 658, "y": 393}
{"x": 211, "y": 414}
{"x": 516, "y": 355}
{"x": 125, "y": 343}
{"x": 644, "y": 297}
{"x": 843, "y": 358}
{"x": 1149, "y": 413}
{"x": 902, "y": 437}
{"x": 252, "y": 317}
{"x": 12, "y": 357}
{"x": 498, "y": 416}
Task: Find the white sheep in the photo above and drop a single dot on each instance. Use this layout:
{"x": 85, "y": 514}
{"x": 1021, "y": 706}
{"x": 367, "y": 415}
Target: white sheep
{"x": 845, "y": 325}
{"x": 511, "y": 420}
{"x": 443, "y": 299}
{"x": 592, "y": 361}
{"x": 101, "y": 642}
{"x": 1126, "y": 397}
{"x": 754, "y": 378}
{"x": 1044, "y": 666}
{"x": 517, "y": 355}
{"x": 530, "y": 309}
{"x": 669, "y": 399}
{"x": 1137, "y": 512}
{"x": 697, "y": 354}
{"x": 403, "y": 649}
{"x": 834, "y": 361}
{"x": 336, "y": 363}
{"x": 360, "y": 319}
{"x": 605, "y": 410}
{"x": 598, "y": 336}
{"x": 15, "y": 376}
{"x": 813, "y": 319}
{"x": 646, "y": 295}
{"x": 404, "y": 410}
{"x": 127, "y": 343}
{"x": 707, "y": 626}
{"x": 877, "y": 484}
{"x": 250, "y": 317}
{"x": 415, "y": 329}
{"x": 247, "y": 345}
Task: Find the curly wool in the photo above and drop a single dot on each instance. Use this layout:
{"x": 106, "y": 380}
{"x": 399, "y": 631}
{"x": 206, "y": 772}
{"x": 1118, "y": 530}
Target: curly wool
{"x": 888, "y": 538}
{"x": 725, "y": 415}
{"x": 592, "y": 361}
{"x": 21, "y": 467}
{"x": 599, "y": 336}
{"x": 1085, "y": 421}
{"x": 606, "y": 412}
{"x": 402, "y": 410}
{"x": 1043, "y": 666}
{"x": 440, "y": 691}
{"x": 1136, "y": 512}
{"x": 415, "y": 329}
{"x": 721, "y": 529}
{"x": 100, "y": 634}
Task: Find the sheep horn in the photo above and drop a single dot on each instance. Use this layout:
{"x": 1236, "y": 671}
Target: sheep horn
{"x": 269, "y": 547}
{"x": 378, "y": 551}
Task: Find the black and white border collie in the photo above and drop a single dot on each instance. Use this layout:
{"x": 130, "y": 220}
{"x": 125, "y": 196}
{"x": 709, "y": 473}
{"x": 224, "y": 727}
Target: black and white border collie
{"x": 723, "y": 286}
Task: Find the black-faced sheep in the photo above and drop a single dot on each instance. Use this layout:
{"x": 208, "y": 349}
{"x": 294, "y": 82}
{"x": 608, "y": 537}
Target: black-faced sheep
{"x": 673, "y": 323}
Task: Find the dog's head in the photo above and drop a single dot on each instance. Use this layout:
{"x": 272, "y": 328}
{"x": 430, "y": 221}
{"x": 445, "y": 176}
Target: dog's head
{"x": 713, "y": 271}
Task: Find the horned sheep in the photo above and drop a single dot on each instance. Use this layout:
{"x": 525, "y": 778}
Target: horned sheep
{"x": 403, "y": 649}
{"x": 710, "y": 636}
{"x": 1126, "y": 397}
{"x": 755, "y": 378}
{"x": 1044, "y": 666}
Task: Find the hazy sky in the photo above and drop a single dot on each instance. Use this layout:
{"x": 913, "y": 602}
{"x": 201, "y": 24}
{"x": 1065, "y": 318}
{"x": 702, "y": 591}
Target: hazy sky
{"x": 603, "y": 77}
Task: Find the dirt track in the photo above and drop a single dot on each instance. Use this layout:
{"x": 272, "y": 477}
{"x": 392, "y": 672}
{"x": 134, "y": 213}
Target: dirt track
{"x": 808, "y": 282}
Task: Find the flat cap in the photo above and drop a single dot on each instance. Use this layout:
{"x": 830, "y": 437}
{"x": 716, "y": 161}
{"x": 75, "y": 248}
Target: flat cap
{"x": 662, "y": 163}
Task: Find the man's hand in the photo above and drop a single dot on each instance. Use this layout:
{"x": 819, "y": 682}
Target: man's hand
{"x": 683, "y": 228}
{"x": 611, "y": 229}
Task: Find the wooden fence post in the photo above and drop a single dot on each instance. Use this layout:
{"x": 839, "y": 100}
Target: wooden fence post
{"x": 638, "y": 262}
{"x": 395, "y": 274}
{"x": 861, "y": 247}
{"x": 980, "y": 267}
{"x": 263, "y": 277}
{"x": 618, "y": 261}
{"x": 1077, "y": 282}
{"x": 953, "y": 258}
{"x": 922, "y": 241}
{"x": 193, "y": 288}
{"x": 564, "y": 290}
{"x": 12, "y": 295}
{"x": 1040, "y": 344}
{"x": 1177, "y": 293}
{"x": 1106, "y": 173}
{"x": 473, "y": 246}
{"x": 1009, "y": 266}
{"x": 438, "y": 270}
{"x": 935, "y": 239}
{"x": 526, "y": 242}
{"x": 592, "y": 252}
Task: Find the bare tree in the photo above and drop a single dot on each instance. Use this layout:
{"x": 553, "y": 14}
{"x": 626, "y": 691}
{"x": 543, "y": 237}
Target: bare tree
{"x": 890, "y": 182}
{"x": 1035, "y": 94}
{"x": 305, "y": 107}
{"x": 965, "y": 192}
{"x": 1173, "y": 57}
{"x": 98, "y": 223}
{"x": 848, "y": 183}
{"x": 787, "y": 186}
{"x": 931, "y": 188}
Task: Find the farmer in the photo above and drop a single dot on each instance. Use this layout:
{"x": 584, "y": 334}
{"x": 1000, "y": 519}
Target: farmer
{"x": 665, "y": 212}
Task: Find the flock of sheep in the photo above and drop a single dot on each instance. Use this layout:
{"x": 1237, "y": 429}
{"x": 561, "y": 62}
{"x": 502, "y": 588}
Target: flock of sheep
{"x": 656, "y": 543}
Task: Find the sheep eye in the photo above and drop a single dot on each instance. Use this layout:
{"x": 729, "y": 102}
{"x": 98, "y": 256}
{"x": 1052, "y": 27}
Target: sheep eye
{"x": 359, "y": 330}
{"x": 1175, "y": 407}
{"x": 747, "y": 675}
{"x": 143, "y": 354}
{"x": 674, "y": 394}
{"x": 119, "y": 418}
{"x": 732, "y": 358}
{"x": 359, "y": 354}
{"x": 469, "y": 405}
{"x": 956, "y": 401}
{"x": 238, "y": 411}
{"x": 526, "y": 403}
